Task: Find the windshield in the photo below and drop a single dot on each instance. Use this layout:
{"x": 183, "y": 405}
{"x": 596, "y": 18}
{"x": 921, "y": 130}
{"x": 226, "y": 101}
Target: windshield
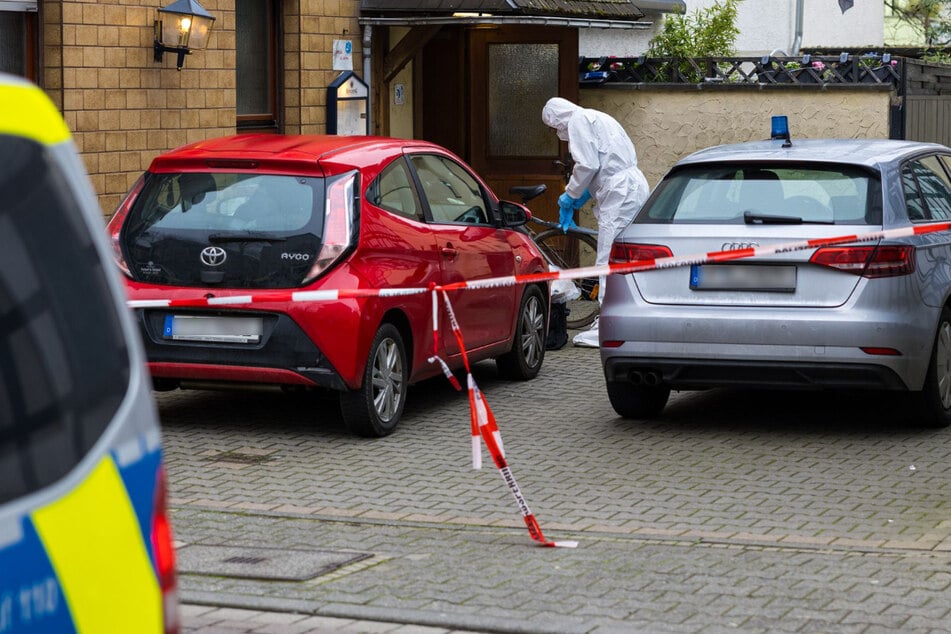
{"x": 747, "y": 193}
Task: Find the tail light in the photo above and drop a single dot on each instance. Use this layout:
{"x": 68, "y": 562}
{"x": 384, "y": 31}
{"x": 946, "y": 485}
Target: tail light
{"x": 624, "y": 253}
{"x": 114, "y": 228}
{"x": 340, "y": 214}
{"x": 164, "y": 551}
{"x": 868, "y": 261}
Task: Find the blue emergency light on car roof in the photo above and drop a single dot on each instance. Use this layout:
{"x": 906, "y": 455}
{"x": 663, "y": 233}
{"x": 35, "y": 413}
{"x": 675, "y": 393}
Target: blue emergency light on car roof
{"x": 780, "y": 129}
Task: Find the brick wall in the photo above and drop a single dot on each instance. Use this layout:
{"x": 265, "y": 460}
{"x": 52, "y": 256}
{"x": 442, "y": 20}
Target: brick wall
{"x": 124, "y": 108}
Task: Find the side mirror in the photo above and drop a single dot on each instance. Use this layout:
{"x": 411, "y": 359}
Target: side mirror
{"x": 513, "y": 214}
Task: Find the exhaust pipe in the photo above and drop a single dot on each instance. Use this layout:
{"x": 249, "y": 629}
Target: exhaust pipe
{"x": 649, "y": 378}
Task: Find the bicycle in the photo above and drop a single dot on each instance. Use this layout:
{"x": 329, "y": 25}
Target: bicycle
{"x": 566, "y": 250}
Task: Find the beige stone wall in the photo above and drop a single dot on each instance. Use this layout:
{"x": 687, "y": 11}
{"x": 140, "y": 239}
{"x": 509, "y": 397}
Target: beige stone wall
{"x": 667, "y": 125}
{"x": 124, "y": 108}
{"x": 322, "y": 22}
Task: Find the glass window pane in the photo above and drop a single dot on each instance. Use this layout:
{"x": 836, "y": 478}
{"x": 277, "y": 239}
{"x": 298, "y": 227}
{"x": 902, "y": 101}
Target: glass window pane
{"x": 452, "y": 193}
{"x": 935, "y": 187}
{"x": 394, "y": 191}
{"x": 725, "y": 193}
{"x": 522, "y": 77}
{"x": 13, "y": 42}
{"x": 912, "y": 196}
{"x": 252, "y": 32}
{"x": 64, "y": 365}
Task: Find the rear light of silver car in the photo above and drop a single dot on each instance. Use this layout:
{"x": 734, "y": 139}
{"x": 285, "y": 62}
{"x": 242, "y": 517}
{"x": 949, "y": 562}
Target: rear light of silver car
{"x": 868, "y": 261}
{"x": 623, "y": 252}
{"x": 340, "y": 212}
{"x": 114, "y": 228}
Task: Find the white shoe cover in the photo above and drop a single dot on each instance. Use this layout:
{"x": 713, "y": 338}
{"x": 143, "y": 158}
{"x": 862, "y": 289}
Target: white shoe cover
{"x": 588, "y": 338}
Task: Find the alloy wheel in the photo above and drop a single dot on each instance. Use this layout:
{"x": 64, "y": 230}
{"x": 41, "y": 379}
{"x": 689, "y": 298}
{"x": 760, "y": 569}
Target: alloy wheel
{"x": 943, "y": 364}
{"x": 533, "y": 332}
{"x": 388, "y": 380}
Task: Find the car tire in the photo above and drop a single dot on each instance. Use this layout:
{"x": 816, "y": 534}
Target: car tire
{"x": 934, "y": 400}
{"x": 524, "y": 360}
{"x": 375, "y": 408}
{"x": 637, "y": 401}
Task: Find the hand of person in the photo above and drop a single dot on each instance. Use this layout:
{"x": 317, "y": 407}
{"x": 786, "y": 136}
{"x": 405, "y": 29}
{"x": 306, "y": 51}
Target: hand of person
{"x": 566, "y": 212}
{"x": 566, "y": 219}
{"x": 585, "y": 197}
{"x": 566, "y": 209}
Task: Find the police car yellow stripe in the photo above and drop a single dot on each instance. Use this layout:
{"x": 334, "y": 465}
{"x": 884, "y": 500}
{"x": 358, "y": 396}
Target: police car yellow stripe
{"x": 93, "y": 541}
{"x": 26, "y": 111}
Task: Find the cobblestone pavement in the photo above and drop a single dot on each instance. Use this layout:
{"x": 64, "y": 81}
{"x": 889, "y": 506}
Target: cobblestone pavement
{"x": 737, "y": 510}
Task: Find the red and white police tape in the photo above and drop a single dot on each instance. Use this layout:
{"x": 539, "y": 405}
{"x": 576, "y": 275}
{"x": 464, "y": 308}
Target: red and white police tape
{"x": 483, "y": 425}
{"x": 566, "y": 274}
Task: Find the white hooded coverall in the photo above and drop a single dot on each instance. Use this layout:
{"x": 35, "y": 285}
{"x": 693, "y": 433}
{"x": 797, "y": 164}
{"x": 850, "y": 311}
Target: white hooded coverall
{"x": 605, "y": 164}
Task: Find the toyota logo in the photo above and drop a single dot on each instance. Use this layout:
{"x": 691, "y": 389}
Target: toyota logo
{"x": 213, "y": 256}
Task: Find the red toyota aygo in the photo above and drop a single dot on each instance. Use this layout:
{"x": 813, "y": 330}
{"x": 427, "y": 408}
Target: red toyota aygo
{"x": 254, "y": 214}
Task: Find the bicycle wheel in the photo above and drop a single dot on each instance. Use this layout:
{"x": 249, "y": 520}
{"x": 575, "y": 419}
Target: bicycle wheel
{"x": 568, "y": 251}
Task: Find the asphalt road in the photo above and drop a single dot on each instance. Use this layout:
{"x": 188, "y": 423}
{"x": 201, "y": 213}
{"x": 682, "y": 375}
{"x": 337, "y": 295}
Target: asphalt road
{"x": 736, "y": 510}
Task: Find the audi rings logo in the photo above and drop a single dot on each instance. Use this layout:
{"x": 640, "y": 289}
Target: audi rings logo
{"x": 213, "y": 256}
{"x": 736, "y": 246}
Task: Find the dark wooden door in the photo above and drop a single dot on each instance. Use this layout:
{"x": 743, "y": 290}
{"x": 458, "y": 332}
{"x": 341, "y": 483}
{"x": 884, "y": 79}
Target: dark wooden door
{"x": 513, "y": 72}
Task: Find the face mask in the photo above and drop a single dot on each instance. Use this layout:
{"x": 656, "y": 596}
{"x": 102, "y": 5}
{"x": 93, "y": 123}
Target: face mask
{"x": 562, "y": 133}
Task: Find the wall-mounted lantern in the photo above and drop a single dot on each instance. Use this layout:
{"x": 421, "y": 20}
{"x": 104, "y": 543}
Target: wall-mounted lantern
{"x": 183, "y": 26}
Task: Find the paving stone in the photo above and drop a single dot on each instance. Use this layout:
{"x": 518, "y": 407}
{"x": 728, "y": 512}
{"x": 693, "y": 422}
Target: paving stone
{"x": 759, "y": 511}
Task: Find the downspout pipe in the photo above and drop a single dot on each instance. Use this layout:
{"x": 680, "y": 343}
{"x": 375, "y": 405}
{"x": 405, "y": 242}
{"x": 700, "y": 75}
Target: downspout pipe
{"x": 797, "y": 40}
{"x": 367, "y": 65}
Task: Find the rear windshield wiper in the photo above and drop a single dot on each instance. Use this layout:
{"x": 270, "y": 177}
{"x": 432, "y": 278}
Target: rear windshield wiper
{"x": 244, "y": 237}
{"x": 763, "y": 219}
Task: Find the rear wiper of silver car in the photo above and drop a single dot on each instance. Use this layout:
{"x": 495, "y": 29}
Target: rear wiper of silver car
{"x": 244, "y": 237}
{"x": 762, "y": 219}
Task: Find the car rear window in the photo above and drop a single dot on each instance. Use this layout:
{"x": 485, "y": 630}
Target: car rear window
{"x": 265, "y": 228}
{"x": 64, "y": 364}
{"x": 228, "y": 202}
{"x": 723, "y": 194}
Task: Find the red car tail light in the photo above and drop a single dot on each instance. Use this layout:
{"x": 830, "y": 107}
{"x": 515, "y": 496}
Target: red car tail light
{"x": 114, "y": 228}
{"x": 340, "y": 211}
{"x": 164, "y": 551}
{"x": 868, "y": 261}
{"x": 623, "y": 252}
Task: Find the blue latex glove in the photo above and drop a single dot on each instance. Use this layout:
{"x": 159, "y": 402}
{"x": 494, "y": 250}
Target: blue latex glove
{"x": 585, "y": 197}
{"x": 566, "y": 212}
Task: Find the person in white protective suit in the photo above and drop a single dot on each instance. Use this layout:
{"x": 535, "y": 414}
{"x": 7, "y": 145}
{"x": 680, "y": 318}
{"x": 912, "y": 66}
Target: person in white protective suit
{"x": 605, "y": 169}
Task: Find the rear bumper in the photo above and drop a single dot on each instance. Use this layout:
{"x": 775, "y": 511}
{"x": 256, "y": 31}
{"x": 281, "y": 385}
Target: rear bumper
{"x": 698, "y": 374}
{"x": 697, "y": 346}
{"x": 285, "y": 355}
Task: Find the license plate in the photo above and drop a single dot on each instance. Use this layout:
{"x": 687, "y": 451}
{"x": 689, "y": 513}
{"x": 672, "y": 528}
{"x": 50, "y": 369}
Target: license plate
{"x": 743, "y": 277}
{"x": 215, "y": 329}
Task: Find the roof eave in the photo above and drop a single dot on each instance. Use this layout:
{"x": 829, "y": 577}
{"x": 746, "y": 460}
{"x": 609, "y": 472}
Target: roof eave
{"x": 538, "y": 20}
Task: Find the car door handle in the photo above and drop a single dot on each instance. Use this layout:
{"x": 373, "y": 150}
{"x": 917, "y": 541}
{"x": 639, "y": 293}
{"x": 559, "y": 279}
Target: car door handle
{"x": 449, "y": 252}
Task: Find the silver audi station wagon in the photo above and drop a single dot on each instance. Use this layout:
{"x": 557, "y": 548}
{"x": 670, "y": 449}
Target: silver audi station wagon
{"x": 866, "y": 314}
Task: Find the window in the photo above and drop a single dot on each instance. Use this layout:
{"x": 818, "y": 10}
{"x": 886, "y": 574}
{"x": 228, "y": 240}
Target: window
{"x": 64, "y": 364}
{"x": 393, "y": 190}
{"x": 726, "y": 194}
{"x": 927, "y": 190}
{"x": 257, "y": 46}
{"x": 454, "y": 196}
{"x": 18, "y": 38}
{"x": 228, "y": 202}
